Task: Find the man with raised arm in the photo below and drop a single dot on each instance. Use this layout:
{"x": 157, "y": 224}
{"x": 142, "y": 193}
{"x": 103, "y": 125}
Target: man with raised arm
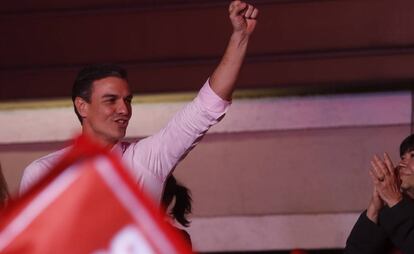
{"x": 102, "y": 101}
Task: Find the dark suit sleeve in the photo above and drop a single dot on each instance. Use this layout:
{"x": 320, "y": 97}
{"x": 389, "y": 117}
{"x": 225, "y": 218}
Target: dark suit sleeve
{"x": 367, "y": 238}
{"x": 398, "y": 222}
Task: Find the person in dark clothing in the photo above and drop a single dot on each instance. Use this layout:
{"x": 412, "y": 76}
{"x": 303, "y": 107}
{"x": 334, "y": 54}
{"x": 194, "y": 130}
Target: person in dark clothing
{"x": 387, "y": 226}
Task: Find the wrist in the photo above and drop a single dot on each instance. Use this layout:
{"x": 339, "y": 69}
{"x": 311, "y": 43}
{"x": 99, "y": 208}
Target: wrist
{"x": 372, "y": 215}
{"x": 241, "y": 37}
{"x": 394, "y": 201}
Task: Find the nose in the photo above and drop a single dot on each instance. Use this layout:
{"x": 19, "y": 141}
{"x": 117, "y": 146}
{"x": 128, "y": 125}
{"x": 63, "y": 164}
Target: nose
{"x": 123, "y": 108}
{"x": 401, "y": 166}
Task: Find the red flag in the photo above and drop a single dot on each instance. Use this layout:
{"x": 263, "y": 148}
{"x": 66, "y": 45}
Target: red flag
{"x": 87, "y": 204}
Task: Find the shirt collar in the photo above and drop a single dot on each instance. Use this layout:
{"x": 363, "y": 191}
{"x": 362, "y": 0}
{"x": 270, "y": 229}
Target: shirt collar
{"x": 118, "y": 149}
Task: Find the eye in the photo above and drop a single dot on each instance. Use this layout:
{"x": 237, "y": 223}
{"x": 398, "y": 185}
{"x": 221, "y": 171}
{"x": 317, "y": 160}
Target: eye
{"x": 128, "y": 100}
{"x": 110, "y": 101}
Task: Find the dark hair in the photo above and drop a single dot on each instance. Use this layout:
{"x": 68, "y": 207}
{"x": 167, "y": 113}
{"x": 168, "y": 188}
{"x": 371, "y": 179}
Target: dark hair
{"x": 182, "y": 205}
{"x": 407, "y": 145}
{"x": 82, "y": 87}
{"x": 4, "y": 192}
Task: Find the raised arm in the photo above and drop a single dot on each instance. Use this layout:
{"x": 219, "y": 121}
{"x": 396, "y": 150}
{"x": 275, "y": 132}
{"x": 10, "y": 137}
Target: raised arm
{"x": 243, "y": 19}
{"x": 157, "y": 155}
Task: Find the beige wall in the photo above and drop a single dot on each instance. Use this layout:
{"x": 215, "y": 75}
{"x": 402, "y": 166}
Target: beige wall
{"x": 253, "y": 173}
{"x": 286, "y": 172}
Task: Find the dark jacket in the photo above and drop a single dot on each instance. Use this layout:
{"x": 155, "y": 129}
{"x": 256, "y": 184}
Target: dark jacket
{"x": 395, "y": 229}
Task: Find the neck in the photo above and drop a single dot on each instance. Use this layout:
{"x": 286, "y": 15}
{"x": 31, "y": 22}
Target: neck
{"x": 99, "y": 139}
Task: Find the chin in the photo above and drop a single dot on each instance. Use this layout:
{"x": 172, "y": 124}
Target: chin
{"x": 118, "y": 133}
{"x": 405, "y": 186}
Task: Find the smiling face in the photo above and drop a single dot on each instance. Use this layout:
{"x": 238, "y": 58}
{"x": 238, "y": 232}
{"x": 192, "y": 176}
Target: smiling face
{"x": 406, "y": 171}
{"x": 106, "y": 116}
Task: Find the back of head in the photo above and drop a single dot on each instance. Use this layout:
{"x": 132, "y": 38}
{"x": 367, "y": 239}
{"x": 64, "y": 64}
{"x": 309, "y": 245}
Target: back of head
{"x": 407, "y": 145}
{"x": 82, "y": 87}
{"x": 180, "y": 195}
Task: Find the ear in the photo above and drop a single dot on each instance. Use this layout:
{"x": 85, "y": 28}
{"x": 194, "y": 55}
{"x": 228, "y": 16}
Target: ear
{"x": 82, "y": 106}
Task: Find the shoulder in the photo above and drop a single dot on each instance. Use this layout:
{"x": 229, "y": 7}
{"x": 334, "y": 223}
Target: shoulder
{"x": 47, "y": 160}
{"x": 38, "y": 168}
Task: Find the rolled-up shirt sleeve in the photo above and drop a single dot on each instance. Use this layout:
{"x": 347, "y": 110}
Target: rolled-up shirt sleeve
{"x": 156, "y": 156}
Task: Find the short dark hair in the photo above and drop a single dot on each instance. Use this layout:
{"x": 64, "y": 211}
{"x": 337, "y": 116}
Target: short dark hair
{"x": 82, "y": 87}
{"x": 407, "y": 145}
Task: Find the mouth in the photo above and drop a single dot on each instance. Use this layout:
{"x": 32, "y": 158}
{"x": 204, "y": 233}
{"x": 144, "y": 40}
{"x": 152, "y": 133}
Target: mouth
{"x": 122, "y": 123}
{"x": 402, "y": 176}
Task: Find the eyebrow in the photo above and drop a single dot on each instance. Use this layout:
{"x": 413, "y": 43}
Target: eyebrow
{"x": 111, "y": 96}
